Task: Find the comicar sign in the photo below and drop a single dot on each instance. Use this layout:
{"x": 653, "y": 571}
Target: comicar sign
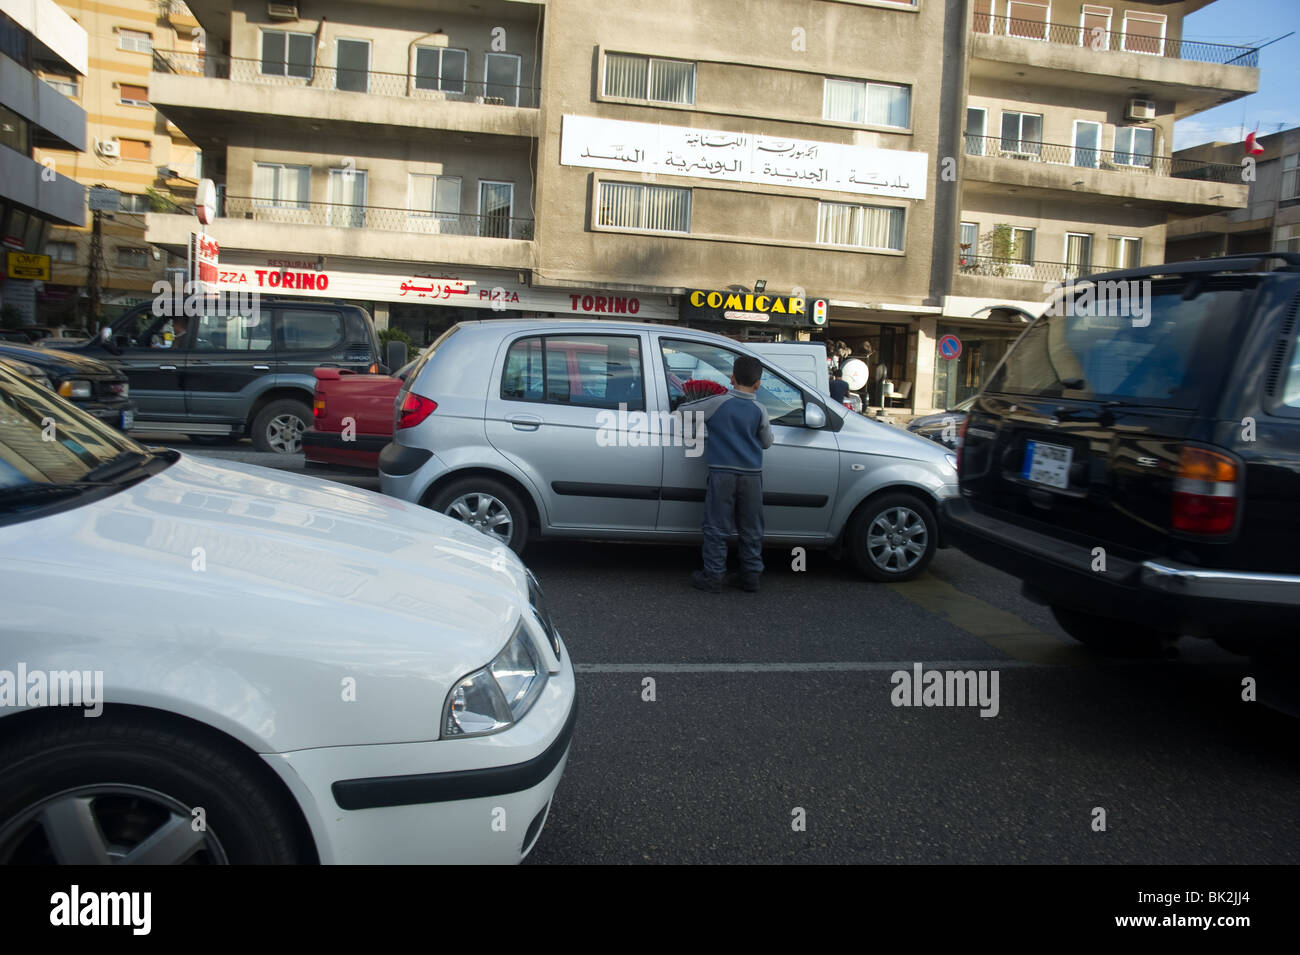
{"x": 703, "y": 305}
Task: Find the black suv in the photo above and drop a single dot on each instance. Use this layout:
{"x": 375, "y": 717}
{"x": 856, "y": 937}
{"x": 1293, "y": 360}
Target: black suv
{"x": 1140, "y": 470}
{"x": 229, "y": 375}
{"x": 95, "y": 387}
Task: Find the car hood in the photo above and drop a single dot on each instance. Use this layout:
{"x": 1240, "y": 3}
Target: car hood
{"x": 876, "y": 437}
{"x": 240, "y": 588}
{"x": 57, "y": 362}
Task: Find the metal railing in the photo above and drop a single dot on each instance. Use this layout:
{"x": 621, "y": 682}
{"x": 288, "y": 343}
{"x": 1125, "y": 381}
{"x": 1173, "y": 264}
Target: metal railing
{"x": 1112, "y": 160}
{"x": 1006, "y": 267}
{"x": 1095, "y": 38}
{"x": 305, "y": 76}
{"x": 379, "y": 218}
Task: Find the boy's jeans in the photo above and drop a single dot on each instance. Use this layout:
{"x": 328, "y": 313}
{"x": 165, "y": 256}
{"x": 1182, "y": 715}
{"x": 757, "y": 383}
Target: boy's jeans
{"x": 733, "y": 503}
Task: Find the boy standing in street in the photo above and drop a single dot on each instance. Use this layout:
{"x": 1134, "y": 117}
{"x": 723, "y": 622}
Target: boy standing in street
{"x": 737, "y": 432}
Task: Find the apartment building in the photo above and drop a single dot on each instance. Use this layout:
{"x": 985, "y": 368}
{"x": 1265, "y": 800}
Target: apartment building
{"x": 35, "y": 35}
{"x": 765, "y": 168}
{"x": 1270, "y": 221}
{"x": 1067, "y": 165}
{"x": 130, "y": 149}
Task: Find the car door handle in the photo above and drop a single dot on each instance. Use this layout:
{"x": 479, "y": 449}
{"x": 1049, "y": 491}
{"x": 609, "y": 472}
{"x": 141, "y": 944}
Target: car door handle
{"x": 261, "y": 368}
{"x": 166, "y": 367}
{"x": 524, "y": 422}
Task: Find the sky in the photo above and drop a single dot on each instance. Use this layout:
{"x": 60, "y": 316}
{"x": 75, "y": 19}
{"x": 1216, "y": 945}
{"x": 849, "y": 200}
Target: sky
{"x": 1248, "y": 23}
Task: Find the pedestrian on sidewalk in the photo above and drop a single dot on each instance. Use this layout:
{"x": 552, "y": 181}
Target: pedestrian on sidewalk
{"x": 737, "y": 431}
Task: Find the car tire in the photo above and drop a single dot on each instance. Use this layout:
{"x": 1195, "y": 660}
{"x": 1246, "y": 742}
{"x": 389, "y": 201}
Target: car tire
{"x": 92, "y": 790}
{"x": 488, "y": 505}
{"x": 1110, "y": 637}
{"x": 279, "y": 426}
{"x": 892, "y": 538}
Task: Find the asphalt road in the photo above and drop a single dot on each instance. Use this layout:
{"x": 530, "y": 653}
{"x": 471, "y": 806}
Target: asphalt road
{"x": 777, "y": 707}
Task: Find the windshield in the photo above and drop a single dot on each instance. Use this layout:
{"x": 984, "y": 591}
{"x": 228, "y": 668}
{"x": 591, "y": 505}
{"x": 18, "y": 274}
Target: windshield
{"x": 1167, "y": 352}
{"x": 45, "y": 440}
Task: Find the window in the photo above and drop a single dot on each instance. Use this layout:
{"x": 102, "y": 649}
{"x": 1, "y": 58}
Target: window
{"x": 132, "y": 258}
{"x": 872, "y": 104}
{"x": 288, "y": 54}
{"x": 867, "y": 227}
{"x": 133, "y": 202}
{"x": 434, "y": 202}
{"x": 649, "y": 78}
{"x": 234, "y": 333}
{"x": 592, "y": 371}
{"x": 307, "y": 330}
{"x": 1022, "y": 133}
{"x": 1096, "y": 27}
{"x": 279, "y": 185}
{"x": 625, "y": 205}
{"x": 1028, "y": 20}
{"x": 976, "y": 125}
{"x": 1022, "y": 246}
{"x": 135, "y": 149}
{"x": 1078, "y": 255}
{"x": 983, "y": 21}
{"x": 129, "y": 95}
{"x": 699, "y": 361}
{"x": 1287, "y": 238}
{"x": 1134, "y": 145}
{"x": 442, "y": 69}
{"x": 1291, "y": 390}
{"x": 352, "y": 62}
{"x": 501, "y": 77}
{"x": 1144, "y": 32}
{"x": 1087, "y": 143}
{"x": 61, "y": 251}
{"x": 135, "y": 40}
{"x": 348, "y": 198}
{"x": 67, "y": 85}
{"x": 495, "y": 208}
{"x": 1290, "y": 177}
{"x": 1123, "y": 252}
{"x": 968, "y": 248}
{"x": 14, "y": 131}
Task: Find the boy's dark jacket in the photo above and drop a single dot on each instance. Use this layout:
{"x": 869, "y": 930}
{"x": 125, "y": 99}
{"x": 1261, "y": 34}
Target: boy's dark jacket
{"x": 737, "y": 430}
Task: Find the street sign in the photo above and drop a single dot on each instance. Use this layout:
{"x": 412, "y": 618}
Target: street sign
{"x": 950, "y": 347}
{"x": 29, "y": 265}
{"x": 205, "y": 202}
{"x": 204, "y": 253}
{"x": 103, "y": 199}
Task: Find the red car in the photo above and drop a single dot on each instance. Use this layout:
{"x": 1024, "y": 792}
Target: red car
{"x": 365, "y": 402}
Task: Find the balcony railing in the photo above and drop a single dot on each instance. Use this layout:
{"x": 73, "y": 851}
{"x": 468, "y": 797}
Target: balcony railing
{"x": 992, "y": 266}
{"x": 305, "y": 76}
{"x": 1112, "y": 160}
{"x": 378, "y": 218}
{"x": 1094, "y": 38}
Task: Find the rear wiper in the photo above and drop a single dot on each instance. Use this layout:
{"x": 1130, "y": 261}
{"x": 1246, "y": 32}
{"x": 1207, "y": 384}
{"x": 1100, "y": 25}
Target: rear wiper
{"x": 118, "y": 465}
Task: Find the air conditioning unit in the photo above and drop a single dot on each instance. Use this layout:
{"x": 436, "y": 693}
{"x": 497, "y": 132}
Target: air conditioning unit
{"x": 282, "y": 11}
{"x": 110, "y": 149}
{"x": 1141, "y": 109}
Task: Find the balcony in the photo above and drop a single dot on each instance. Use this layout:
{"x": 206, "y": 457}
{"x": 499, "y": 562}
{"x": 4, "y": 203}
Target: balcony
{"x": 987, "y": 276}
{"x": 1191, "y": 74}
{"x": 358, "y": 231}
{"x": 205, "y": 93}
{"x": 996, "y": 164}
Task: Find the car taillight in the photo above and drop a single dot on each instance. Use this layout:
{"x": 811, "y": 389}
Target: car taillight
{"x": 1206, "y": 490}
{"x": 961, "y": 441}
{"x": 318, "y": 405}
{"x": 415, "y": 408}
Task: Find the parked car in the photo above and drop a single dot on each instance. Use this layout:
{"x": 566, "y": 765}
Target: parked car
{"x": 553, "y": 429}
{"x": 325, "y": 673}
{"x": 805, "y": 360}
{"x": 94, "y": 386}
{"x": 1141, "y": 474}
{"x": 235, "y": 375}
{"x": 942, "y": 426}
{"x": 366, "y": 401}
{"x": 28, "y": 370}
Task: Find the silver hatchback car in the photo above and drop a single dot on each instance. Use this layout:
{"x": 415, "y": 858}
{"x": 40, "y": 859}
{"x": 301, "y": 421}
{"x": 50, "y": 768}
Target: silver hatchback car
{"x": 582, "y": 429}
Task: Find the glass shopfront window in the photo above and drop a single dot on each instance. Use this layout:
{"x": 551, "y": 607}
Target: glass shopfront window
{"x": 982, "y": 348}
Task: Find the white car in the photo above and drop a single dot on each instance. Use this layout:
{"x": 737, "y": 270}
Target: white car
{"x": 223, "y": 663}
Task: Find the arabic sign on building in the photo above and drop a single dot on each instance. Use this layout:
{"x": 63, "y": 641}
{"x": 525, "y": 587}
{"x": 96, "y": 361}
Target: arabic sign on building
{"x": 451, "y": 286}
{"x": 702, "y": 305}
{"x": 204, "y": 268}
{"x": 742, "y": 157}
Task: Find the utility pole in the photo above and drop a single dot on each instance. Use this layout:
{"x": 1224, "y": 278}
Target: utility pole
{"x": 92, "y": 271}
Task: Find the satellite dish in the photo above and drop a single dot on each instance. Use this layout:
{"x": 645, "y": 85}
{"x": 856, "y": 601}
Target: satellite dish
{"x": 856, "y": 373}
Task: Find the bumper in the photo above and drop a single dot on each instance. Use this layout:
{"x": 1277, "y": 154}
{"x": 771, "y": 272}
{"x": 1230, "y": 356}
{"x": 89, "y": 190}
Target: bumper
{"x": 404, "y": 472}
{"x": 475, "y": 801}
{"x": 328, "y": 447}
{"x": 1162, "y": 594}
{"x": 116, "y": 414}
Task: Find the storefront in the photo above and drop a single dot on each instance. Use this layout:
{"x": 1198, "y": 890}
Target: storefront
{"x": 968, "y": 352}
{"x": 751, "y": 316}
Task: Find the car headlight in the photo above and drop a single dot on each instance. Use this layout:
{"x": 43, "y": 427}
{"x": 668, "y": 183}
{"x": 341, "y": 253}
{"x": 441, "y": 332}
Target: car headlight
{"x": 497, "y": 696}
{"x": 75, "y": 388}
{"x": 952, "y": 460}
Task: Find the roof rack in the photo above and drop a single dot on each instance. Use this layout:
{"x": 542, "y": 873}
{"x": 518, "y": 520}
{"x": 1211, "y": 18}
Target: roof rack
{"x": 1236, "y": 263}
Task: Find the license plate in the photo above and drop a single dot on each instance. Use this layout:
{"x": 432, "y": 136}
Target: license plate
{"x": 128, "y": 420}
{"x": 1047, "y": 464}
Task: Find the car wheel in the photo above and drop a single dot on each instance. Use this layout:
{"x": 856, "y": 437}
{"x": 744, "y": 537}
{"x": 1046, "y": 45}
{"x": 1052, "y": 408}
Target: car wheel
{"x": 1111, "y": 637}
{"x": 893, "y": 537}
{"x": 104, "y": 791}
{"x": 279, "y": 426}
{"x": 487, "y": 505}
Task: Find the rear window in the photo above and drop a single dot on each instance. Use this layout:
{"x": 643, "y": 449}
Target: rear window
{"x": 1161, "y": 350}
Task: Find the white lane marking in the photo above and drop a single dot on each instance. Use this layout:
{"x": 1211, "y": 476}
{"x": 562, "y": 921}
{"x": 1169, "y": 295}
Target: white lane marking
{"x": 829, "y": 667}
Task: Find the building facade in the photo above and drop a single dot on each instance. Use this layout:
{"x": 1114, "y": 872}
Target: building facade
{"x": 35, "y": 35}
{"x": 740, "y": 165}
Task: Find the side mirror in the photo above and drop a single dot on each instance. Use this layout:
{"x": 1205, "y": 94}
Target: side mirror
{"x": 395, "y": 355}
{"x": 813, "y": 416}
